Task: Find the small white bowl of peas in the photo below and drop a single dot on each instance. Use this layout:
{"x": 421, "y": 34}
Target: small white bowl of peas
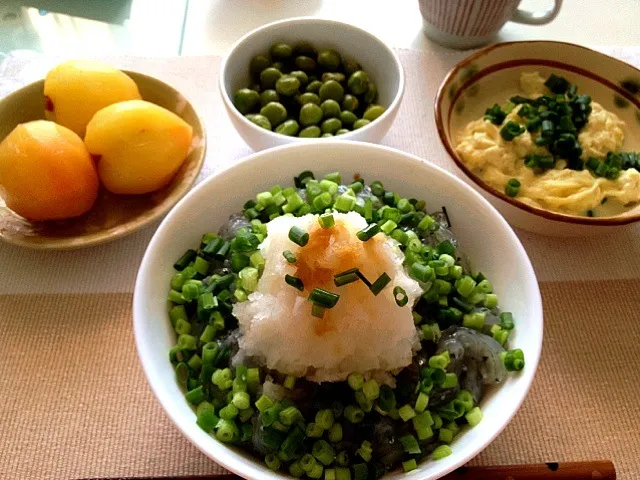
{"x": 309, "y": 79}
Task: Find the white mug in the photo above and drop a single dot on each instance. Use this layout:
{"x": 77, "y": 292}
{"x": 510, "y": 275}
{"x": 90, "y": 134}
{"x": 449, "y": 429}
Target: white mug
{"x": 471, "y": 23}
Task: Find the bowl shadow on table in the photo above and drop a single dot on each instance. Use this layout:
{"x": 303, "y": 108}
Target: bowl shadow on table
{"x": 112, "y": 216}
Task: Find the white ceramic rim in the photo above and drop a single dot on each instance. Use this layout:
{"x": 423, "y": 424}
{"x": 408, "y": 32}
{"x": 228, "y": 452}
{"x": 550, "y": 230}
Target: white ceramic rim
{"x": 234, "y": 462}
{"x": 276, "y": 136}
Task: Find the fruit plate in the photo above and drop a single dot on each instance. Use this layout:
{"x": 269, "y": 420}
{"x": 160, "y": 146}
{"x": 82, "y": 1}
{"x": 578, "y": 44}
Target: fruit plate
{"x": 112, "y": 216}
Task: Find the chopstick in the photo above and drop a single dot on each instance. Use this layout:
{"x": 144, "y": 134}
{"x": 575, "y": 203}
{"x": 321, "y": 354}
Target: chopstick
{"x": 586, "y": 470}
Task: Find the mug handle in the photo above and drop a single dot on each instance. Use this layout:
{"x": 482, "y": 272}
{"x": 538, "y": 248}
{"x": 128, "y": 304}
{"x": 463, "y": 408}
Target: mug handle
{"x": 536, "y": 18}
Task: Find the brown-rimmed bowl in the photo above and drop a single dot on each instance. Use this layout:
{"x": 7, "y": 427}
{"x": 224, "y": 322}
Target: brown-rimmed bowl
{"x": 112, "y": 216}
{"x": 491, "y": 75}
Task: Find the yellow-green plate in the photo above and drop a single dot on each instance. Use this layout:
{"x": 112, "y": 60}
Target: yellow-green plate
{"x": 112, "y": 216}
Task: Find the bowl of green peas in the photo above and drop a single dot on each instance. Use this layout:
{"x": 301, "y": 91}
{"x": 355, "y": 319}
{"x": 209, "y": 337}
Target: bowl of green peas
{"x": 308, "y": 79}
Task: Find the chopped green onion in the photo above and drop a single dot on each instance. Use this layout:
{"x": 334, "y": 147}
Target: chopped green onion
{"x": 445, "y": 435}
{"x": 295, "y": 469}
{"x": 344, "y": 203}
{"x": 406, "y": 412}
{"x": 334, "y": 434}
{"x": 323, "y": 452}
{"x": 355, "y": 381}
{"x": 263, "y": 403}
{"x": 381, "y": 282}
{"x": 421, "y": 403}
{"x": 409, "y": 444}
{"x": 289, "y": 256}
{"x": 474, "y": 320}
{"x": 512, "y": 187}
{"x": 206, "y": 418}
{"x": 450, "y": 381}
{"x": 345, "y": 278}
{"x": 289, "y": 382}
{"x": 227, "y": 431}
{"x": 387, "y": 398}
{"x": 314, "y": 430}
{"x": 511, "y": 130}
{"x": 298, "y": 236}
{"x": 290, "y": 415}
{"x": 324, "y": 298}
{"x": 368, "y": 232}
{"x": 360, "y": 471}
{"x": 400, "y": 296}
{"x": 326, "y": 220}
{"x": 371, "y": 389}
{"x": 441, "y": 452}
{"x": 272, "y": 461}
{"x": 196, "y": 396}
{"x": 295, "y": 282}
{"x": 229, "y": 412}
{"x": 324, "y": 418}
{"x": 185, "y": 260}
{"x": 440, "y": 361}
{"x": 513, "y": 360}
{"x": 409, "y": 465}
{"x": 316, "y": 471}
{"x": 353, "y": 414}
{"x": 474, "y": 416}
{"x": 422, "y": 273}
{"x": 307, "y": 462}
{"x": 241, "y": 400}
{"x": 365, "y": 450}
{"x": 342, "y": 458}
{"x": 506, "y": 320}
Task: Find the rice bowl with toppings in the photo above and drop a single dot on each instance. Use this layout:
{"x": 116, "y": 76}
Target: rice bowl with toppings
{"x": 207, "y": 209}
{"x": 335, "y": 330}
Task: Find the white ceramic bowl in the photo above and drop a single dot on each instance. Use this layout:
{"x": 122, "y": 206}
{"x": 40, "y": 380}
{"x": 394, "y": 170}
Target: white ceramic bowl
{"x": 491, "y": 76}
{"x": 352, "y": 42}
{"x": 483, "y": 235}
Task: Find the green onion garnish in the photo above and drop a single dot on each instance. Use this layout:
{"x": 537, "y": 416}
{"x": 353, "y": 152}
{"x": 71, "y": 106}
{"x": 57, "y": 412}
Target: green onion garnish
{"x": 382, "y": 281}
{"x": 289, "y": 256}
{"x": 298, "y": 236}
{"x": 185, "y": 260}
{"x": 513, "y": 360}
{"x": 368, "y": 232}
{"x": 401, "y": 296}
{"x": 346, "y": 277}
{"x": 363, "y": 278}
{"x": 512, "y": 187}
{"x": 326, "y": 220}
{"x": 317, "y": 310}
{"x": 511, "y": 130}
{"x": 295, "y": 282}
{"x": 324, "y": 298}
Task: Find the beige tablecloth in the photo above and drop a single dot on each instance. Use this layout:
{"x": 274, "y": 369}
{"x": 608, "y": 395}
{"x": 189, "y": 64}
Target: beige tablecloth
{"x": 74, "y": 401}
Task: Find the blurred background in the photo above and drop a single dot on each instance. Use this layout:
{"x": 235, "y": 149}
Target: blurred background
{"x": 203, "y": 27}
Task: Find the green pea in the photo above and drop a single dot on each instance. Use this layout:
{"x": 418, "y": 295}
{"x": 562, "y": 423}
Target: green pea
{"x": 361, "y": 122}
{"x": 269, "y": 95}
{"x": 288, "y": 127}
{"x": 358, "y": 82}
{"x": 350, "y": 102}
{"x": 331, "y": 90}
{"x": 246, "y": 100}
{"x": 331, "y": 125}
{"x": 310, "y": 114}
{"x": 301, "y": 76}
{"x": 350, "y": 67}
{"x": 329, "y": 59}
{"x": 275, "y": 113}
{"x": 309, "y": 98}
{"x": 372, "y": 94}
{"x": 259, "y": 120}
{"x": 310, "y": 132}
{"x": 287, "y": 85}
{"x": 304, "y": 48}
{"x": 304, "y": 63}
{"x": 373, "y": 112}
{"x": 342, "y": 131}
{"x": 258, "y": 64}
{"x": 278, "y": 66}
{"x": 330, "y": 108}
{"x": 269, "y": 77}
{"x": 281, "y": 51}
{"x": 337, "y": 76}
{"x": 326, "y": 135}
{"x": 347, "y": 117}
{"x": 313, "y": 78}
{"x": 256, "y": 87}
{"x": 314, "y": 86}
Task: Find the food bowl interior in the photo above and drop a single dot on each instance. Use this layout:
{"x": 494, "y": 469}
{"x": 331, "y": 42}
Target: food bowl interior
{"x": 492, "y": 76}
{"x": 351, "y": 42}
{"x": 112, "y": 216}
{"x": 483, "y": 235}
